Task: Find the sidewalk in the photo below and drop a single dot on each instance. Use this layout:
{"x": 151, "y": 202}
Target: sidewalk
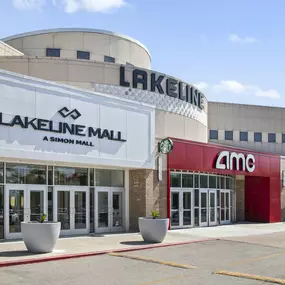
{"x": 15, "y": 252}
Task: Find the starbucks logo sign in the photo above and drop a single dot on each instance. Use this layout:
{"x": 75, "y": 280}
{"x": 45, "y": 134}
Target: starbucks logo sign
{"x": 166, "y": 146}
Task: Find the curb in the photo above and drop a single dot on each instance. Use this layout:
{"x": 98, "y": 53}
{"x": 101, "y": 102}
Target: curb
{"x": 93, "y": 253}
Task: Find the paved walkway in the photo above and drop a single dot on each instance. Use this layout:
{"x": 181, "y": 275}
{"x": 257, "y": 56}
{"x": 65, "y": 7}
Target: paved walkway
{"x": 267, "y": 234}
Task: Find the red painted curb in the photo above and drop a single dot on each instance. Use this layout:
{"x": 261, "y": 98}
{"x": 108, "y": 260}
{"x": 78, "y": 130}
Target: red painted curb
{"x": 94, "y": 253}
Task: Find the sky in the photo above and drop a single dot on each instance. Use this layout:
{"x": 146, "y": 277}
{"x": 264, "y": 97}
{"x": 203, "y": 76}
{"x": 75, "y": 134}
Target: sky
{"x": 233, "y": 50}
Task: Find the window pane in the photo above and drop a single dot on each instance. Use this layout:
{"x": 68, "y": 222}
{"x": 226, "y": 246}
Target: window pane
{"x": 117, "y": 178}
{"x": 212, "y": 181}
{"x": 283, "y": 138}
{"x": 83, "y": 54}
{"x": 187, "y": 180}
{"x": 53, "y": 52}
{"x": 175, "y": 179}
{"x": 109, "y": 59}
{"x": 229, "y": 135}
{"x": 271, "y": 138}
{"x": 228, "y": 180}
{"x": 106, "y": 177}
{"x": 1, "y": 172}
{"x": 91, "y": 177}
{"x": 203, "y": 181}
{"x": 243, "y": 136}
{"x": 197, "y": 197}
{"x": 70, "y": 176}
{"x": 50, "y": 175}
{"x": 213, "y": 134}
{"x": 196, "y": 178}
{"x": 25, "y": 174}
{"x": 258, "y": 137}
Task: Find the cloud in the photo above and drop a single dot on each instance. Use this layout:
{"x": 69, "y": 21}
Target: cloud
{"x": 103, "y": 6}
{"x": 201, "y": 85}
{"x": 246, "y": 40}
{"x": 231, "y": 86}
{"x": 72, "y": 6}
{"x": 28, "y": 4}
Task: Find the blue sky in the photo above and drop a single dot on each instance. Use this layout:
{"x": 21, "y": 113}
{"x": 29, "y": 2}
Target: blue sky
{"x": 233, "y": 49}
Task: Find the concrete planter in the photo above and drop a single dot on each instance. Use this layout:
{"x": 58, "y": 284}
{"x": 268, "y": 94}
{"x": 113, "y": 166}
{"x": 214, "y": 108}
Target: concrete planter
{"x": 153, "y": 230}
{"x": 40, "y": 237}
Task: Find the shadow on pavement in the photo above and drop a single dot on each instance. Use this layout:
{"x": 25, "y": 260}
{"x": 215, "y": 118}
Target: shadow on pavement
{"x": 135, "y": 243}
{"x": 16, "y": 253}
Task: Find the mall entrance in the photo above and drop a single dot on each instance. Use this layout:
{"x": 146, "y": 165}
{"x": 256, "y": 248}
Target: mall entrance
{"x": 201, "y": 199}
{"x": 84, "y": 200}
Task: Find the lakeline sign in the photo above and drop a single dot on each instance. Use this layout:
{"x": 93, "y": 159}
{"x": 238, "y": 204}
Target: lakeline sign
{"x": 235, "y": 161}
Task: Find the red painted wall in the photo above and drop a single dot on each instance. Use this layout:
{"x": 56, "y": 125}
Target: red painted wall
{"x": 262, "y": 187}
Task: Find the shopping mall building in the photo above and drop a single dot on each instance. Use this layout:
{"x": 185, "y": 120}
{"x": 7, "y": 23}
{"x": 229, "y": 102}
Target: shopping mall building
{"x": 82, "y": 118}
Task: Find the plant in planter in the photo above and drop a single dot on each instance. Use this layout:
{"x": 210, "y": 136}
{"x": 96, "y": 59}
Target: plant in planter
{"x": 40, "y": 236}
{"x": 153, "y": 229}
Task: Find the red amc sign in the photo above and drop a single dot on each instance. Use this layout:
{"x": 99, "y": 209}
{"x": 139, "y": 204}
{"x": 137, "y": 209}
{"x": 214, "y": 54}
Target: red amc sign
{"x": 195, "y": 156}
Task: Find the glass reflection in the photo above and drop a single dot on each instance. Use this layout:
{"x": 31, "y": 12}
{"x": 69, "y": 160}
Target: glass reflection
{"x": 63, "y": 209}
{"x": 70, "y": 176}
{"x": 16, "y": 210}
{"x": 36, "y": 205}
{"x": 117, "y": 210}
{"x": 80, "y": 209}
{"x": 103, "y": 209}
{"x": 25, "y": 174}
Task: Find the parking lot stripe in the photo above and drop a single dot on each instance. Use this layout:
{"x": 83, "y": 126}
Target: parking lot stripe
{"x": 241, "y": 262}
{"x": 251, "y": 276}
{"x": 162, "y": 280}
{"x": 146, "y": 259}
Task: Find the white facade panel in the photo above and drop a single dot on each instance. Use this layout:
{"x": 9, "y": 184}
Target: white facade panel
{"x": 92, "y": 130}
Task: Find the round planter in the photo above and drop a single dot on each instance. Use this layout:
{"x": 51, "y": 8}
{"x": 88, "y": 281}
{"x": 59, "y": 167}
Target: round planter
{"x": 40, "y": 237}
{"x": 153, "y": 230}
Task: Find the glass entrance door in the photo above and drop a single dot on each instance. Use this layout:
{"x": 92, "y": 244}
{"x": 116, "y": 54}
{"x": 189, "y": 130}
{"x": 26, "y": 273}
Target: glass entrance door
{"x": 72, "y": 209}
{"x": 225, "y": 207}
{"x": 109, "y": 209}
{"x": 212, "y": 207}
{"x": 203, "y": 203}
{"x": 23, "y": 203}
{"x": 182, "y": 208}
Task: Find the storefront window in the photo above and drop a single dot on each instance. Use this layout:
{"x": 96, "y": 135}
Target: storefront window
{"x": 1, "y": 172}
{"x": 187, "y": 180}
{"x": 228, "y": 183}
{"x": 203, "y": 181}
{"x": 196, "y": 180}
{"x": 175, "y": 179}
{"x": 212, "y": 181}
{"x": 25, "y": 174}
{"x": 71, "y": 176}
{"x": 109, "y": 178}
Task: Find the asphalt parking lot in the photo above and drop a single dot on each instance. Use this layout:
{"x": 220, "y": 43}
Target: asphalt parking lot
{"x": 197, "y": 263}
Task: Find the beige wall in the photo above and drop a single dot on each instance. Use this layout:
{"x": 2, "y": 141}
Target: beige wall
{"x": 240, "y": 199}
{"x": 6, "y": 50}
{"x": 84, "y": 74}
{"x": 97, "y": 44}
{"x": 249, "y": 118}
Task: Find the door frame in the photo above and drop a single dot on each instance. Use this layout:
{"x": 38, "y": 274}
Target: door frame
{"x": 27, "y": 188}
{"x": 204, "y": 224}
{"x": 209, "y": 207}
{"x": 225, "y": 222}
{"x": 110, "y": 191}
{"x": 72, "y": 189}
{"x": 191, "y": 191}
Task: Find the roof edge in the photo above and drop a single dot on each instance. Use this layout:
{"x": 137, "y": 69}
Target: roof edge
{"x": 83, "y": 30}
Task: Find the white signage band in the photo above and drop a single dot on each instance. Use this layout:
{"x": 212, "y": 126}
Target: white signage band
{"x": 235, "y": 161}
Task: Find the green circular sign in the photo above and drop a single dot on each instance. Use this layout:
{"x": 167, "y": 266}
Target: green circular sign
{"x": 166, "y": 146}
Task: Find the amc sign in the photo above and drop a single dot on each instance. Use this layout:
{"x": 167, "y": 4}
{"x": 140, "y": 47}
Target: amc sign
{"x": 235, "y": 161}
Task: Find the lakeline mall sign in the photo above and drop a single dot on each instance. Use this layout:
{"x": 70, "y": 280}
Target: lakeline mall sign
{"x": 235, "y": 161}
{"x": 62, "y": 128}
